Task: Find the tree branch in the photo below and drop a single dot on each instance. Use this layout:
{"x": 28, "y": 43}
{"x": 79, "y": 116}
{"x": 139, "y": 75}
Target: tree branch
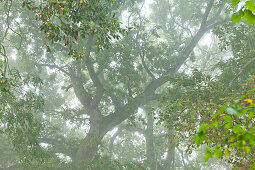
{"x": 122, "y": 127}
{"x": 134, "y": 129}
{"x": 58, "y": 146}
{"x": 111, "y": 146}
{"x": 176, "y": 22}
{"x": 182, "y": 156}
{"x": 83, "y": 96}
{"x": 52, "y": 66}
{"x": 141, "y": 54}
{"x": 216, "y": 15}
{"x": 206, "y": 14}
{"x": 149, "y": 93}
{"x": 212, "y": 25}
{"x": 240, "y": 72}
{"x": 92, "y": 74}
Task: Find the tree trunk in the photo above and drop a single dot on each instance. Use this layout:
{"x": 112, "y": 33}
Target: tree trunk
{"x": 170, "y": 159}
{"x": 151, "y": 159}
{"x": 89, "y": 145}
{"x": 87, "y": 149}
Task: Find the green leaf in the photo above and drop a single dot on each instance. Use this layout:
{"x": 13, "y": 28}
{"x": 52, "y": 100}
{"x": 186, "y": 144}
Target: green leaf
{"x": 216, "y": 124}
{"x": 227, "y": 153}
{"x": 235, "y": 3}
{"x": 247, "y": 149}
{"x": 248, "y": 137}
{"x": 251, "y": 115}
{"x": 227, "y": 126}
{"x": 208, "y": 154}
{"x": 222, "y": 109}
{"x": 249, "y": 17}
{"x": 250, "y": 5}
{"x": 227, "y": 119}
{"x": 236, "y": 17}
{"x": 205, "y": 127}
{"x": 242, "y": 112}
{"x": 200, "y": 137}
{"x": 237, "y": 129}
{"x": 253, "y": 166}
{"x": 232, "y": 111}
{"x": 252, "y": 142}
{"x": 218, "y": 152}
{"x": 232, "y": 138}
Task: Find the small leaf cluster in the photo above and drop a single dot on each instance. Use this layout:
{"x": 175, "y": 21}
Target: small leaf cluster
{"x": 246, "y": 12}
{"x": 4, "y": 82}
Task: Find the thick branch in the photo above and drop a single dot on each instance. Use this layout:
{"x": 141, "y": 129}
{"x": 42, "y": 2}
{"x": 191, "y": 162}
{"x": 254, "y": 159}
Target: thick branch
{"x": 124, "y": 112}
{"x": 146, "y": 68}
{"x": 57, "y": 146}
{"x": 54, "y": 66}
{"x": 83, "y": 96}
{"x": 206, "y": 14}
{"x": 212, "y": 25}
{"x": 217, "y": 14}
{"x": 134, "y": 129}
{"x": 92, "y": 73}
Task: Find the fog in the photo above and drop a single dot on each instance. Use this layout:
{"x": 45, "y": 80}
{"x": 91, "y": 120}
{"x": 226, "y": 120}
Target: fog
{"x": 127, "y": 84}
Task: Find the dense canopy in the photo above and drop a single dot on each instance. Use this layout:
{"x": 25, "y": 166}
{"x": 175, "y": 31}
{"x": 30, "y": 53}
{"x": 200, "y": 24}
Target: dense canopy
{"x": 127, "y": 84}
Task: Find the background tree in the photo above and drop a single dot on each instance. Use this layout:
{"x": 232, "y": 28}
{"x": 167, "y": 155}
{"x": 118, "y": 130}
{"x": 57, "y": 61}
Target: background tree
{"x": 96, "y": 76}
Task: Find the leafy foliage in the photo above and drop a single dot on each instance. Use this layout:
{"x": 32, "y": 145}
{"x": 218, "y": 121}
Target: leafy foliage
{"x": 191, "y": 104}
{"x": 18, "y": 109}
{"x": 18, "y": 115}
{"x": 231, "y": 129}
{"x": 106, "y": 163}
{"x": 71, "y": 21}
{"x": 101, "y": 89}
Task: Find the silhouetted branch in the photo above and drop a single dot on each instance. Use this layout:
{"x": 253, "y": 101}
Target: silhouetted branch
{"x": 206, "y": 14}
{"x": 83, "y": 96}
{"x": 92, "y": 73}
{"x": 52, "y": 66}
{"x": 216, "y": 15}
{"x": 240, "y": 72}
